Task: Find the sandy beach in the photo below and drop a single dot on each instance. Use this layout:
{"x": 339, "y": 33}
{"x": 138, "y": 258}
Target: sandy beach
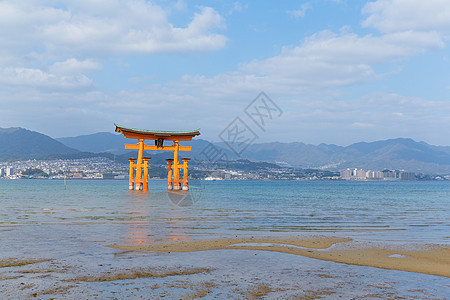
{"x": 426, "y": 259}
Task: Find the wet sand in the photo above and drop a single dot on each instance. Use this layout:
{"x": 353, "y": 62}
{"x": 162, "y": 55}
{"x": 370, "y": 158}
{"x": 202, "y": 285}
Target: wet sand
{"x": 79, "y": 266}
{"x": 426, "y": 259}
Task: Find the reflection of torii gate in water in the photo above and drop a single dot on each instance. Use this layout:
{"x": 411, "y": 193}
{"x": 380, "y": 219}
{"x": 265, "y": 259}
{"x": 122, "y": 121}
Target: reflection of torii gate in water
{"x": 139, "y": 167}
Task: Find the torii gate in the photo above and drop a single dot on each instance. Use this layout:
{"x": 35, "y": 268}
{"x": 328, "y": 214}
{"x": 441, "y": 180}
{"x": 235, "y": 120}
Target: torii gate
{"x": 139, "y": 169}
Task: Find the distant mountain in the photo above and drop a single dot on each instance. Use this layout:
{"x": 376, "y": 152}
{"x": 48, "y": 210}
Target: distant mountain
{"x": 401, "y": 153}
{"x": 97, "y": 142}
{"x": 20, "y": 143}
{"x": 294, "y": 154}
{"x": 398, "y": 153}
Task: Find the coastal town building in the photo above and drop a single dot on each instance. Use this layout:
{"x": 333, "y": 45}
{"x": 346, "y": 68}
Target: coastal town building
{"x": 88, "y": 168}
{"x": 105, "y": 168}
{"x": 389, "y": 175}
{"x": 346, "y": 174}
{"x": 360, "y": 174}
{"x": 407, "y": 176}
{"x": 374, "y": 175}
{"x": 9, "y": 171}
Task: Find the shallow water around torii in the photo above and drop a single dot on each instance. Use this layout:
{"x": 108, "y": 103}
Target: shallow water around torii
{"x": 39, "y": 219}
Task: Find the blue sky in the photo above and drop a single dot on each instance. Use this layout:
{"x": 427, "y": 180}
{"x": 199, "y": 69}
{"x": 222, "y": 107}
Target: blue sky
{"x": 341, "y": 71}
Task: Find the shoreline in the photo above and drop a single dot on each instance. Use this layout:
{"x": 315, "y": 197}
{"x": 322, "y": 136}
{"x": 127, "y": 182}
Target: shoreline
{"x": 426, "y": 259}
{"x": 260, "y": 180}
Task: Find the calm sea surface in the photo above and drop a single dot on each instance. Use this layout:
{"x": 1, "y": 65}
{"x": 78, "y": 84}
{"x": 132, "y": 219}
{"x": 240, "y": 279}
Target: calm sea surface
{"x": 376, "y": 211}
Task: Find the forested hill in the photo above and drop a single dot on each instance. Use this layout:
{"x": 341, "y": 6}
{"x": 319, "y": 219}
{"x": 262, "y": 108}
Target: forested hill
{"x": 20, "y": 143}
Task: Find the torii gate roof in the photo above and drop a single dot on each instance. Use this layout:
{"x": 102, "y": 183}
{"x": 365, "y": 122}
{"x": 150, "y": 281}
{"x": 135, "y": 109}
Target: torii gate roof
{"x": 134, "y": 133}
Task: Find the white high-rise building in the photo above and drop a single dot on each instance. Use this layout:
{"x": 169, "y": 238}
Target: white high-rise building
{"x": 9, "y": 171}
{"x": 346, "y": 174}
{"x": 359, "y": 174}
{"x": 374, "y": 175}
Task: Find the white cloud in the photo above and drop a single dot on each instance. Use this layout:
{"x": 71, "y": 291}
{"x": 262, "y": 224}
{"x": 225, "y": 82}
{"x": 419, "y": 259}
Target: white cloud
{"x": 180, "y": 5}
{"x": 212, "y": 102}
{"x": 372, "y": 117}
{"x": 140, "y": 31}
{"x": 362, "y": 125}
{"x": 405, "y": 15}
{"x": 74, "y": 66}
{"x": 97, "y": 28}
{"x": 36, "y": 78}
{"x": 327, "y": 59}
{"x": 299, "y": 13}
{"x": 322, "y": 62}
{"x": 237, "y": 7}
{"x": 34, "y": 34}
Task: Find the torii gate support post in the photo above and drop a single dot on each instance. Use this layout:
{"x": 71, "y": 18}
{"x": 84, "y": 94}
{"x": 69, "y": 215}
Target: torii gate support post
{"x": 139, "y": 166}
{"x": 185, "y": 174}
{"x": 131, "y": 175}
{"x": 145, "y": 179}
{"x": 169, "y": 174}
{"x": 171, "y": 183}
{"x": 176, "y": 167}
{"x": 138, "y": 176}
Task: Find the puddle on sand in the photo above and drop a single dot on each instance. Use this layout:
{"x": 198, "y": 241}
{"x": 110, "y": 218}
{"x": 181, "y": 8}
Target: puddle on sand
{"x": 279, "y": 245}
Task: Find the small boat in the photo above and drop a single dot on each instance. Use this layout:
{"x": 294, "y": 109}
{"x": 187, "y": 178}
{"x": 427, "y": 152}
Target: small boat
{"x": 210, "y": 178}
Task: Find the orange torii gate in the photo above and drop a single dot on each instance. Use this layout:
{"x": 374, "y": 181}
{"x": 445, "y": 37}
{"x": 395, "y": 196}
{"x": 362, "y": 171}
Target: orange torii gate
{"x": 139, "y": 168}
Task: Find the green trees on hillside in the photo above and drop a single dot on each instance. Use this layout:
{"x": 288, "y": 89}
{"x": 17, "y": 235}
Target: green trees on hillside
{"x": 35, "y": 172}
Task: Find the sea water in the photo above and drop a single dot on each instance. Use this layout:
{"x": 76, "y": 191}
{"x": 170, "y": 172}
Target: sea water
{"x": 417, "y": 211}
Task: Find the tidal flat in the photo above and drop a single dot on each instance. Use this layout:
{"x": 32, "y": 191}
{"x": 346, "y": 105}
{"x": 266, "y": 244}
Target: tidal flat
{"x": 239, "y": 240}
